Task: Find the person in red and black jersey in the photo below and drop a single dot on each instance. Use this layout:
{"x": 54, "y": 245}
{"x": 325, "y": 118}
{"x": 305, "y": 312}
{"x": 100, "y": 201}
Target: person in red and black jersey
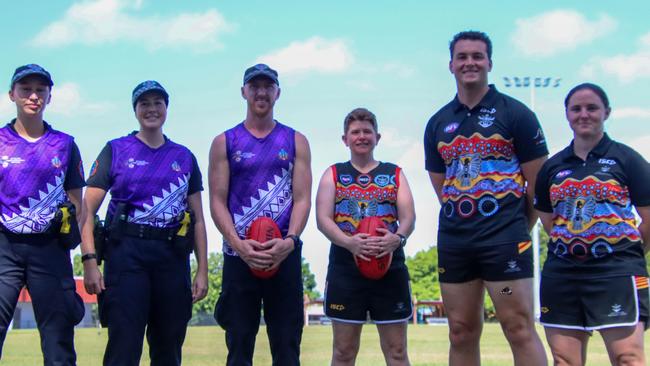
{"x": 595, "y": 274}
{"x": 483, "y": 151}
{"x": 348, "y": 192}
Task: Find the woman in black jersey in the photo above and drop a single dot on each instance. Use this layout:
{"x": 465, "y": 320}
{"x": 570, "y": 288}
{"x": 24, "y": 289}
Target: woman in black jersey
{"x": 347, "y": 193}
{"x": 595, "y": 275}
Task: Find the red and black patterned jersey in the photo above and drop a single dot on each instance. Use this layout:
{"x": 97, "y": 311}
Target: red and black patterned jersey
{"x": 480, "y": 151}
{"x": 594, "y": 230}
{"x": 360, "y": 195}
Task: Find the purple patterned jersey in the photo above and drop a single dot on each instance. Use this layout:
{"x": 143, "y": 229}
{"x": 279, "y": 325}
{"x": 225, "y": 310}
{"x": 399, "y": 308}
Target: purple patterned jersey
{"x": 32, "y": 177}
{"x": 260, "y": 177}
{"x": 154, "y": 182}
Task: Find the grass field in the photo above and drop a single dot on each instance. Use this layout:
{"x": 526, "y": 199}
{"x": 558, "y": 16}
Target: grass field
{"x": 205, "y": 346}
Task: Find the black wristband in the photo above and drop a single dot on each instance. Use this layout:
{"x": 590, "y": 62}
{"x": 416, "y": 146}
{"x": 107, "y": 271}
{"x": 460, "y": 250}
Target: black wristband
{"x": 295, "y": 238}
{"x": 402, "y": 240}
{"x": 88, "y": 256}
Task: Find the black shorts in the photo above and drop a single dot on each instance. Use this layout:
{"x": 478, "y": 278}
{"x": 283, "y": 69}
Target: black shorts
{"x": 350, "y": 298}
{"x": 504, "y": 262}
{"x": 595, "y": 303}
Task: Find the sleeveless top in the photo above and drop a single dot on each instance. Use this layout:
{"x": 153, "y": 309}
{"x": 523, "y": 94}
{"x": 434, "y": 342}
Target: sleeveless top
{"x": 261, "y": 171}
{"x": 359, "y": 195}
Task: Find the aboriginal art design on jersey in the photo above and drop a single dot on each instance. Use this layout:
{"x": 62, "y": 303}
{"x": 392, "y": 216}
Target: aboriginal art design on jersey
{"x": 590, "y": 217}
{"x": 271, "y": 201}
{"x": 479, "y": 166}
{"x": 357, "y": 197}
{"x": 166, "y": 208}
{"x": 36, "y": 216}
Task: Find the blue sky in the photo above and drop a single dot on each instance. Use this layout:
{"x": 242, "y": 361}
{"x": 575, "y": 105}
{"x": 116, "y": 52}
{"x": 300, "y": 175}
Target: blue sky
{"x": 388, "y": 56}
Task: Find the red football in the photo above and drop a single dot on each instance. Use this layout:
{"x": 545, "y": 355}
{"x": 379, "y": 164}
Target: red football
{"x": 262, "y": 230}
{"x": 376, "y": 268}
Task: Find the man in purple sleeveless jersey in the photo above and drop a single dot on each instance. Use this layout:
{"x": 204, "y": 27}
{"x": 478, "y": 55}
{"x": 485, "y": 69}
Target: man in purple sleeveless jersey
{"x": 40, "y": 168}
{"x": 260, "y": 168}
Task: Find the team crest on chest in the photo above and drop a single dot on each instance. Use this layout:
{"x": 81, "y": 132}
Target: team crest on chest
{"x": 345, "y": 179}
{"x": 283, "y": 155}
{"x": 6, "y": 160}
{"x": 176, "y": 167}
{"x": 382, "y": 180}
{"x": 56, "y": 162}
{"x": 364, "y": 179}
{"x": 486, "y": 119}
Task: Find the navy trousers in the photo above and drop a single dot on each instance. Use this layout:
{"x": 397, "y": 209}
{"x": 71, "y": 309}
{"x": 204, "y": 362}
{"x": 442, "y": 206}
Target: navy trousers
{"x": 240, "y": 303}
{"x": 44, "y": 266}
{"x": 148, "y": 287}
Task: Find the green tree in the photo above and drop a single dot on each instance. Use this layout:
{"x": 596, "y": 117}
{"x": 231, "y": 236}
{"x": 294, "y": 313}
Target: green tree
{"x": 215, "y": 267}
{"x": 309, "y": 281}
{"x": 77, "y": 266}
{"x": 423, "y": 268}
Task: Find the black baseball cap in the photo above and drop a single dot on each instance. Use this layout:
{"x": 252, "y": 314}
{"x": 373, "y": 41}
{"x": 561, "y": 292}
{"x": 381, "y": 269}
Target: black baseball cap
{"x": 147, "y": 86}
{"x": 30, "y": 69}
{"x": 261, "y": 70}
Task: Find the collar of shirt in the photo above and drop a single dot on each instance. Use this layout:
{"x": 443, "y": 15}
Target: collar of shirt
{"x": 488, "y": 100}
{"x": 598, "y": 151}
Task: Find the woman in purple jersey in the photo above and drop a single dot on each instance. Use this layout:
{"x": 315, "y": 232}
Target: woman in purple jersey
{"x": 154, "y": 184}
{"x": 348, "y": 192}
{"x": 40, "y": 169}
{"x": 595, "y": 276}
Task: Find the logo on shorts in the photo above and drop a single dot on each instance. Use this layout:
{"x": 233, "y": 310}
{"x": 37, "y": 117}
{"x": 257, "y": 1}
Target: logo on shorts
{"x": 544, "y": 309}
{"x": 617, "y": 311}
{"x": 337, "y": 307}
{"x": 399, "y": 307}
{"x": 512, "y": 267}
{"x": 452, "y": 127}
{"x": 441, "y": 270}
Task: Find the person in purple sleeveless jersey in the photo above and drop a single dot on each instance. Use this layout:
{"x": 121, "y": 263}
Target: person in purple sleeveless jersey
{"x": 155, "y": 184}
{"x": 40, "y": 169}
{"x": 260, "y": 167}
{"x": 347, "y": 193}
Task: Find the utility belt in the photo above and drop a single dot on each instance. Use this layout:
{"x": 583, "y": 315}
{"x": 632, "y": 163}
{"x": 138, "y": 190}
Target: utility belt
{"x": 63, "y": 227}
{"x": 180, "y": 237}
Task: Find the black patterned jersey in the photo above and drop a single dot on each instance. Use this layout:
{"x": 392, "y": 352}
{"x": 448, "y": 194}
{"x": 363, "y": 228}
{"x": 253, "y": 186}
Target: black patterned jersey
{"x": 594, "y": 230}
{"x": 480, "y": 151}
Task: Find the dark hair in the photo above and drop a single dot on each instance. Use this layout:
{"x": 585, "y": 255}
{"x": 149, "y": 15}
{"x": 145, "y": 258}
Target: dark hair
{"x": 590, "y": 86}
{"x": 471, "y": 36}
{"x": 359, "y": 114}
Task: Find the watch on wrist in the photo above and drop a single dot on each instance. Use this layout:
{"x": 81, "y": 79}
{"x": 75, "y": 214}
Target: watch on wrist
{"x": 402, "y": 240}
{"x": 295, "y": 238}
{"x": 88, "y": 256}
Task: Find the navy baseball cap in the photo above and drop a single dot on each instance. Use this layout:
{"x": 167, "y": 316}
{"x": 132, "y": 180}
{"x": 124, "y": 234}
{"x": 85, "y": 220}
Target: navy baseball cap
{"x": 261, "y": 70}
{"x": 30, "y": 69}
{"x": 147, "y": 86}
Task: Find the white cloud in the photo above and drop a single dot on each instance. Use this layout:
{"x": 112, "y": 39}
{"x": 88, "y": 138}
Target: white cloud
{"x": 315, "y": 54}
{"x": 625, "y": 67}
{"x": 7, "y": 107}
{"x": 390, "y": 137}
{"x": 642, "y": 146}
{"x": 558, "y": 30}
{"x": 104, "y": 21}
{"x": 67, "y": 100}
{"x": 630, "y": 112}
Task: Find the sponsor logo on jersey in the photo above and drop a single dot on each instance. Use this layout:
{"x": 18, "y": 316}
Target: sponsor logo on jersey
{"x": 606, "y": 161}
{"x": 345, "y": 179}
{"x": 132, "y": 163}
{"x": 382, "y": 180}
{"x": 56, "y": 162}
{"x": 539, "y": 137}
{"x": 176, "y": 167}
{"x": 488, "y": 111}
{"x": 238, "y": 155}
{"x": 364, "y": 179}
{"x": 563, "y": 173}
{"x": 452, "y": 127}
{"x": 283, "y": 155}
{"x": 6, "y": 160}
{"x": 617, "y": 311}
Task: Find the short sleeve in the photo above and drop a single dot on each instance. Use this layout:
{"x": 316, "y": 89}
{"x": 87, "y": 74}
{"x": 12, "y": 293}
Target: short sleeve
{"x": 196, "y": 180}
{"x": 100, "y": 172}
{"x": 74, "y": 176}
{"x": 542, "y": 199}
{"x": 528, "y": 136}
{"x": 637, "y": 169}
{"x": 432, "y": 160}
